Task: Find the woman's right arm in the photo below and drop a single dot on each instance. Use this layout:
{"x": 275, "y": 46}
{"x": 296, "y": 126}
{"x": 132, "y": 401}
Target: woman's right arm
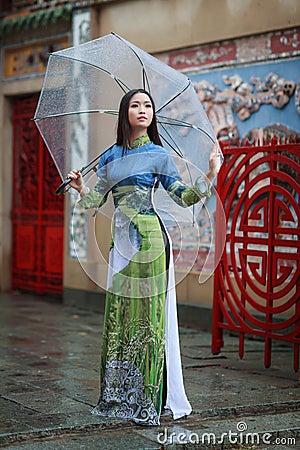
{"x": 77, "y": 182}
{"x": 90, "y": 198}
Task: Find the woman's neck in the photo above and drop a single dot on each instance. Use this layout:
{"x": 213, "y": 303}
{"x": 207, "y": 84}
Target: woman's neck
{"x": 135, "y": 134}
{"x": 141, "y": 140}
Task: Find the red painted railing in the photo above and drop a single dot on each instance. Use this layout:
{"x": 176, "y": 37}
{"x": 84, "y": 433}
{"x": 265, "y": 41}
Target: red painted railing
{"x": 257, "y": 283}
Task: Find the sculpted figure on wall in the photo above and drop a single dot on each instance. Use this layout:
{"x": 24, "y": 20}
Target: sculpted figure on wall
{"x": 218, "y": 110}
{"x": 243, "y": 99}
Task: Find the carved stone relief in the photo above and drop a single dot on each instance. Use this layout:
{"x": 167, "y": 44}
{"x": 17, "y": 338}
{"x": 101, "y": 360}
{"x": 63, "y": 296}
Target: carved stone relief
{"x": 243, "y": 99}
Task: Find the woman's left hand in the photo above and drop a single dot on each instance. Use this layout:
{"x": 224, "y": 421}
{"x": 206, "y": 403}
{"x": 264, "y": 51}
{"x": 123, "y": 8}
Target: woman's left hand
{"x": 214, "y": 162}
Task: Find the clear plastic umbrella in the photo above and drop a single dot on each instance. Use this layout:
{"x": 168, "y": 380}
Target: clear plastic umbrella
{"x": 89, "y": 80}
{"x": 85, "y": 83}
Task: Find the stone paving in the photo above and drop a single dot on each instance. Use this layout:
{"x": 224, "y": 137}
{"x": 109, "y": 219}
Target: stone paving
{"x": 50, "y": 378}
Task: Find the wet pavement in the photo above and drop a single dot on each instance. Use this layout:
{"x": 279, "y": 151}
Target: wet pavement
{"x": 49, "y": 381}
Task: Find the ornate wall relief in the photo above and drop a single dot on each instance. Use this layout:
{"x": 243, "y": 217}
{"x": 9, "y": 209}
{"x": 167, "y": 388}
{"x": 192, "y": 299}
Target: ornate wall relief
{"x": 243, "y": 99}
{"x": 30, "y": 60}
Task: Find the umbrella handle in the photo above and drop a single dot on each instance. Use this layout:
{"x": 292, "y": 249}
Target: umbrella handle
{"x": 67, "y": 181}
{"x": 84, "y": 171}
{"x": 61, "y": 188}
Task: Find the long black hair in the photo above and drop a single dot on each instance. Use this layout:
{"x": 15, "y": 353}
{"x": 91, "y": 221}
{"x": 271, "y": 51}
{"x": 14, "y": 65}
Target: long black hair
{"x": 123, "y": 130}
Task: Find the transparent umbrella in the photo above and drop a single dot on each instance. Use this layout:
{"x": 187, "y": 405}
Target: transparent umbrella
{"x": 89, "y": 81}
{"x": 85, "y": 83}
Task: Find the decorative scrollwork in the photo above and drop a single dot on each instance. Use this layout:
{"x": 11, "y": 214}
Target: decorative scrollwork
{"x": 258, "y": 281}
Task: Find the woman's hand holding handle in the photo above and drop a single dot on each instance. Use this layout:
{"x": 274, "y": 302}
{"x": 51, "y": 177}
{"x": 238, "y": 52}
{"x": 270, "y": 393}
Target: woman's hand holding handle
{"x": 77, "y": 182}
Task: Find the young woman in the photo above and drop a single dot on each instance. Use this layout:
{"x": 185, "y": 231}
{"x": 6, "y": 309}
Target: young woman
{"x": 140, "y": 363}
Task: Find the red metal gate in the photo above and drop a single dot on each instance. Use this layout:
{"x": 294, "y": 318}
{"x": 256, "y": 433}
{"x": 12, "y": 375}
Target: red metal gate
{"x": 37, "y": 213}
{"x": 257, "y": 283}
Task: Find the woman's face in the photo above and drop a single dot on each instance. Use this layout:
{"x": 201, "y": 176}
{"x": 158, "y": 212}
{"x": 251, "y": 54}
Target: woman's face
{"x": 140, "y": 112}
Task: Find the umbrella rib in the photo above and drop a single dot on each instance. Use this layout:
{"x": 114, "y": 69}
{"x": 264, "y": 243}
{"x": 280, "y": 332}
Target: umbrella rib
{"x": 177, "y": 123}
{"x": 174, "y": 121}
{"x": 177, "y": 150}
{"x": 182, "y": 123}
{"x": 121, "y": 83}
{"x": 145, "y": 76}
{"x": 174, "y": 146}
{"x": 175, "y": 96}
{"x": 73, "y": 113}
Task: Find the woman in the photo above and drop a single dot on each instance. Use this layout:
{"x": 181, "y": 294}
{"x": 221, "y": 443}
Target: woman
{"x": 140, "y": 362}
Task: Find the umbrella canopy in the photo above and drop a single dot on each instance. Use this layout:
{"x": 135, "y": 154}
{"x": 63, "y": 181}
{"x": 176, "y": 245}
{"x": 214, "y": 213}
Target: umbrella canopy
{"x": 79, "y": 103}
{"x": 87, "y": 82}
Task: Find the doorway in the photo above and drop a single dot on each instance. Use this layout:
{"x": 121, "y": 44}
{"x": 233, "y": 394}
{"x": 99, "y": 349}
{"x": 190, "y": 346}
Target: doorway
{"x": 37, "y": 213}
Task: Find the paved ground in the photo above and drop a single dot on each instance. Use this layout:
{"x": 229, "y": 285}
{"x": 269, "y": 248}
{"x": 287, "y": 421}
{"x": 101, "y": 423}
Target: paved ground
{"x": 49, "y": 381}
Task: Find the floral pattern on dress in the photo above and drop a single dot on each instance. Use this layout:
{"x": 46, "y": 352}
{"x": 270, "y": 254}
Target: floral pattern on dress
{"x": 123, "y": 395}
